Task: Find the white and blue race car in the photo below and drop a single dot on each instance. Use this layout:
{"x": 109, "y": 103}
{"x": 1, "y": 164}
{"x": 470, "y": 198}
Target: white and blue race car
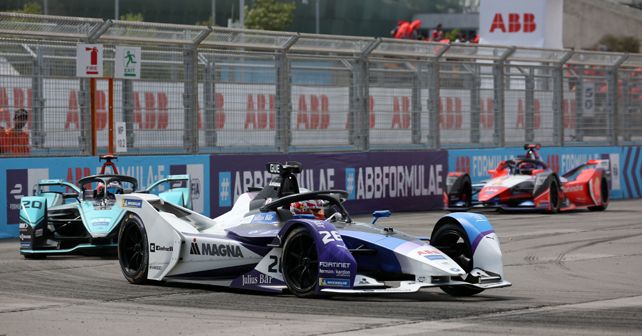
{"x": 261, "y": 245}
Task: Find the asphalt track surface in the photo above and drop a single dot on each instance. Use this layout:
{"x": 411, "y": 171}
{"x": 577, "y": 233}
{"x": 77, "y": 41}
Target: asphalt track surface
{"x": 576, "y": 273}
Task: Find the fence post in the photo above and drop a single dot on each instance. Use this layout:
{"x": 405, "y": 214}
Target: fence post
{"x": 475, "y": 105}
{"x": 415, "y": 119}
{"x": 283, "y": 99}
{"x": 434, "y": 138}
{"x": 128, "y": 110}
{"x": 626, "y": 106}
{"x": 209, "y": 98}
{"x": 499, "y": 86}
{"x": 529, "y": 106}
{"x": 558, "y": 99}
{"x": 38, "y": 100}
{"x": 612, "y": 102}
{"x": 190, "y": 101}
{"x": 84, "y": 103}
{"x": 579, "y": 105}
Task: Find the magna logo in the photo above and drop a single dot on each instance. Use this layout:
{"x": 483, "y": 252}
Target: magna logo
{"x": 218, "y": 250}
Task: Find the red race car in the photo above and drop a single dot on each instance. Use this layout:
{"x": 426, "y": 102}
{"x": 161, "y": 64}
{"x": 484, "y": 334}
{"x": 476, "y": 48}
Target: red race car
{"x": 526, "y": 183}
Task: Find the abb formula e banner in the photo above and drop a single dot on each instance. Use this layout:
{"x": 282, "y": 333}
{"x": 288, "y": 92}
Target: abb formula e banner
{"x": 521, "y": 23}
{"x": 398, "y": 181}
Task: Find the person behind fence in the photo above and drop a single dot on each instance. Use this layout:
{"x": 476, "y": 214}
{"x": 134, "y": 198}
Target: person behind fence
{"x": 14, "y": 140}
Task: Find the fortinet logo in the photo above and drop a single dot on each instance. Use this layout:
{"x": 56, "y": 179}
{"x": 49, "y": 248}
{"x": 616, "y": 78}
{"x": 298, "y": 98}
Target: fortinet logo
{"x": 220, "y": 250}
{"x": 516, "y": 23}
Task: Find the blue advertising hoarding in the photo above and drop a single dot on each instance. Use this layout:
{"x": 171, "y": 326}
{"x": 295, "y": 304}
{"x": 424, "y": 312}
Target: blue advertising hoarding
{"x": 19, "y": 175}
{"x": 400, "y": 181}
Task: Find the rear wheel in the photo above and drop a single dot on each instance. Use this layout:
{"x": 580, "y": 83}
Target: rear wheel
{"x": 452, "y": 240}
{"x": 301, "y": 263}
{"x": 133, "y": 254}
{"x": 604, "y": 194}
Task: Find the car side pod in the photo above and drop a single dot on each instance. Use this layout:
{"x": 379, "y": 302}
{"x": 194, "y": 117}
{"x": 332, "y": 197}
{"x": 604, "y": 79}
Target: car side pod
{"x": 481, "y": 239}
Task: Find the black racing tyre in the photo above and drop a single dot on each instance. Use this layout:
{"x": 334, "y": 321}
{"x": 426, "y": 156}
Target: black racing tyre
{"x": 467, "y": 193}
{"x": 300, "y": 263}
{"x": 452, "y": 240}
{"x": 133, "y": 253}
{"x": 604, "y": 191}
{"x": 554, "y": 192}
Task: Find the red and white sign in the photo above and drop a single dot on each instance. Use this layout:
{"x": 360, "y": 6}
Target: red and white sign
{"x": 89, "y": 60}
{"x": 521, "y": 23}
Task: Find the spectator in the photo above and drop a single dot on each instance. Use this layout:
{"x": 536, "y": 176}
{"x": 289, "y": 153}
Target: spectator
{"x": 14, "y": 140}
{"x": 438, "y": 33}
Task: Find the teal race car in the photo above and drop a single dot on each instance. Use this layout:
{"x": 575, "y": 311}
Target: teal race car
{"x": 63, "y": 218}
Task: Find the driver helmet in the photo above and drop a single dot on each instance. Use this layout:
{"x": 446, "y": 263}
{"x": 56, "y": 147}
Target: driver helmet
{"x": 309, "y": 207}
{"x": 114, "y": 188}
{"x": 526, "y": 166}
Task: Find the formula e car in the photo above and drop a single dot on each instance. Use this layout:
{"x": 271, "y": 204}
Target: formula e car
{"x": 62, "y": 218}
{"x": 526, "y": 183}
{"x": 260, "y": 244}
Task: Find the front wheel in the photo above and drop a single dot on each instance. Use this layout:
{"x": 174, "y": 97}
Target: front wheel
{"x": 453, "y": 241}
{"x": 604, "y": 195}
{"x": 301, "y": 263}
{"x": 554, "y": 197}
{"x": 133, "y": 254}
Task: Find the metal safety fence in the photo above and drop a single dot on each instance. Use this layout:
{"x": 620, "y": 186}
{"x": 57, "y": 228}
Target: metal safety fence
{"x": 208, "y": 90}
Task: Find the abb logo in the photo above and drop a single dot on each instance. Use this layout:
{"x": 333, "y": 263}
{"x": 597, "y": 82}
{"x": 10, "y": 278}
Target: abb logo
{"x": 486, "y": 113}
{"x": 316, "y": 116}
{"x": 75, "y": 174}
{"x": 371, "y": 106}
{"x": 462, "y": 164}
{"x": 450, "y": 117}
{"x": 400, "y": 112}
{"x": 156, "y": 114}
{"x": 219, "y": 118}
{"x": 19, "y": 102}
{"x": 521, "y": 122}
{"x": 516, "y": 23}
{"x": 261, "y": 115}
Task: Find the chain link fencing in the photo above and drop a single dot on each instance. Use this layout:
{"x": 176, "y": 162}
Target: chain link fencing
{"x": 209, "y": 90}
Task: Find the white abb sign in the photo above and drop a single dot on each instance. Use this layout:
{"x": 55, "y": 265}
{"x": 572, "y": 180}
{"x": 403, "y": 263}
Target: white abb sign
{"x": 521, "y": 22}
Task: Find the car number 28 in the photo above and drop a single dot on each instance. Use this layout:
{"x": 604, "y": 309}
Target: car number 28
{"x": 330, "y": 236}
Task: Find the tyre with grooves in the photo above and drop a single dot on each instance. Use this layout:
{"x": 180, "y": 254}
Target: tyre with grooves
{"x": 451, "y": 239}
{"x": 133, "y": 251}
{"x": 604, "y": 194}
{"x": 300, "y": 263}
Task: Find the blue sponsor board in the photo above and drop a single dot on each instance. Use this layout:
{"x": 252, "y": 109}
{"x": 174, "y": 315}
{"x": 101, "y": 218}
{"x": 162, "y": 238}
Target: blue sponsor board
{"x": 477, "y": 162}
{"x": 19, "y": 175}
{"x": 333, "y": 282}
{"x": 399, "y": 181}
{"x": 132, "y": 203}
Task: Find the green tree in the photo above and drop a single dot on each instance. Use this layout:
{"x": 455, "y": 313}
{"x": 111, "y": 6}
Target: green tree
{"x": 138, "y": 17}
{"x": 30, "y": 8}
{"x": 611, "y": 42}
{"x": 269, "y": 15}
